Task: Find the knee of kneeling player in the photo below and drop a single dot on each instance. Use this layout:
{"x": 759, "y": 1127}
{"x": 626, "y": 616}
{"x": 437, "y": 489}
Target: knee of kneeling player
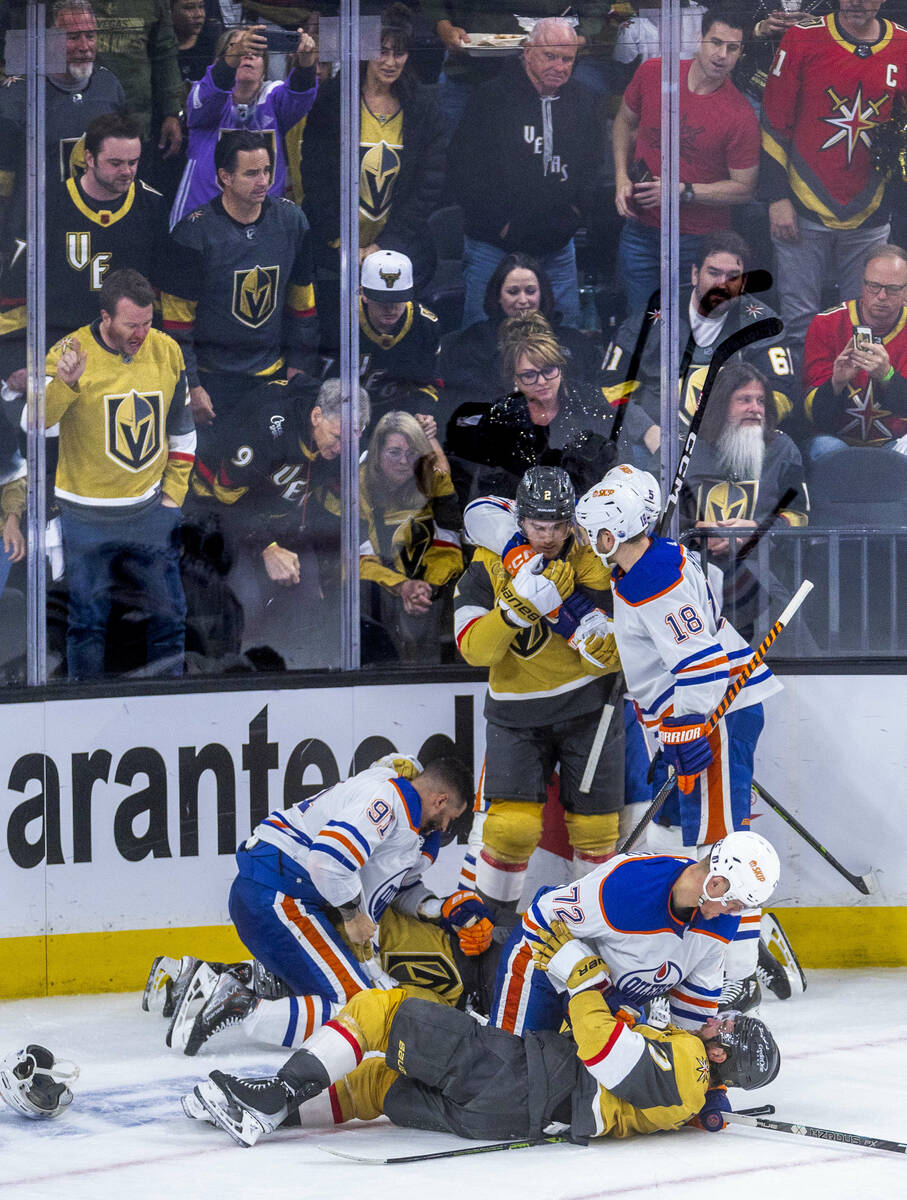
{"x": 593, "y": 836}
{"x": 512, "y": 829}
{"x": 361, "y": 1093}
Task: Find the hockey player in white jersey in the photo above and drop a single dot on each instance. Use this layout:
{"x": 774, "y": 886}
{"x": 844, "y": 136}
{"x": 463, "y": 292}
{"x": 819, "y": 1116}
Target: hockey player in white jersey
{"x": 661, "y": 923}
{"x": 313, "y": 882}
{"x": 679, "y": 656}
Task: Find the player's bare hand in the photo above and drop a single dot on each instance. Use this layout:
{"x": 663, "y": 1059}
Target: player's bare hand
{"x": 17, "y": 381}
{"x": 202, "y": 408}
{"x": 307, "y": 50}
{"x": 71, "y": 362}
{"x": 281, "y": 564}
{"x": 415, "y": 595}
{"x": 360, "y": 928}
{"x": 13, "y": 541}
{"x": 782, "y": 221}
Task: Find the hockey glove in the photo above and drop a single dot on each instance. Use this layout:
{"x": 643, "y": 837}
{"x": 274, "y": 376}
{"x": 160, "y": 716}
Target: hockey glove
{"x": 710, "y": 1116}
{"x": 570, "y": 964}
{"x": 599, "y": 654}
{"x": 686, "y": 747}
{"x": 546, "y": 589}
{"x": 406, "y": 765}
{"x": 592, "y": 624}
{"x": 464, "y": 914}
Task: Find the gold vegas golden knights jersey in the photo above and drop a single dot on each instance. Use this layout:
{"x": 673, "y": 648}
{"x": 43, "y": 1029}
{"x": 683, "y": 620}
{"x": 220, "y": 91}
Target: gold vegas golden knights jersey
{"x": 535, "y": 677}
{"x": 408, "y": 542}
{"x": 126, "y": 430}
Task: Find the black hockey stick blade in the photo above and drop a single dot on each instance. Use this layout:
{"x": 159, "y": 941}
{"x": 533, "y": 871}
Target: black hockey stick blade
{"x": 761, "y": 1110}
{"x": 827, "y": 1135}
{"x": 863, "y": 883}
{"x": 521, "y": 1144}
{"x": 737, "y": 341}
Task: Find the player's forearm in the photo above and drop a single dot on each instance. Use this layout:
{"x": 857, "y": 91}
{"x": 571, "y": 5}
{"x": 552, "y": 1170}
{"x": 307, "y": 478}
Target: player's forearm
{"x": 486, "y": 640}
{"x": 58, "y": 397}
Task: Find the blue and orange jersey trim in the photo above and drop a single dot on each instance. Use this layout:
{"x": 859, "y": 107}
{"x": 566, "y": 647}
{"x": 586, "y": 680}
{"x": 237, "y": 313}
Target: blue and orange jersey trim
{"x": 411, "y": 800}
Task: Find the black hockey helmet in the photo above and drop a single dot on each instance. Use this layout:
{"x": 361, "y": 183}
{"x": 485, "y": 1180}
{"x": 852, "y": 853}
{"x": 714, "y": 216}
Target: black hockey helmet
{"x": 753, "y": 1058}
{"x": 545, "y": 494}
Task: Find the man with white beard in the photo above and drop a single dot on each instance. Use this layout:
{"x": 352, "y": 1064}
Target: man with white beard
{"x": 743, "y": 472}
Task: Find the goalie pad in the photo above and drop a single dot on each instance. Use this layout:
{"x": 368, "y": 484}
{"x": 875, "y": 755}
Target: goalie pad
{"x": 774, "y": 937}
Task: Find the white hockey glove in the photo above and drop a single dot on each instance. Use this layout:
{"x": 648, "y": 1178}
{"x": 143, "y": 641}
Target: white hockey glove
{"x": 593, "y": 624}
{"x": 546, "y": 589}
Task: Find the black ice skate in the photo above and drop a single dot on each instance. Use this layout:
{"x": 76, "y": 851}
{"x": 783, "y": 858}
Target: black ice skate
{"x": 211, "y": 1002}
{"x": 771, "y": 974}
{"x": 740, "y": 995}
{"x": 246, "y": 1108}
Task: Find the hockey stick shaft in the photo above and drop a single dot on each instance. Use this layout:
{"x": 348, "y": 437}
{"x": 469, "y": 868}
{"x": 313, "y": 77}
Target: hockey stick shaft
{"x": 519, "y": 1144}
{"x": 601, "y": 732}
{"x": 863, "y": 883}
{"x": 732, "y": 345}
{"x": 827, "y": 1135}
{"x": 726, "y": 701}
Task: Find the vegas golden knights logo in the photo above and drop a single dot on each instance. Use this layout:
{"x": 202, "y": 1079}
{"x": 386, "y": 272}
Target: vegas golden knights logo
{"x": 412, "y": 548}
{"x": 255, "y": 295}
{"x": 530, "y": 641}
{"x": 134, "y": 428}
{"x": 726, "y": 501}
{"x": 427, "y": 970}
{"x": 377, "y": 175}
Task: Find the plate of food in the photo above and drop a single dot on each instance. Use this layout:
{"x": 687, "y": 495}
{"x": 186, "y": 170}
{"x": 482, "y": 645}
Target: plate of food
{"x": 482, "y": 43}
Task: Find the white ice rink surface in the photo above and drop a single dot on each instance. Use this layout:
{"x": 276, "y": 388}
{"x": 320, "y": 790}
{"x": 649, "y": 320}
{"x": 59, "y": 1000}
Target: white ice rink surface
{"x": 844, "y": 1048}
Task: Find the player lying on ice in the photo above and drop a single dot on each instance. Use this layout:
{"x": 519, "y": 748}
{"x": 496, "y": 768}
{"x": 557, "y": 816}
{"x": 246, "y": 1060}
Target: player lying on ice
{"x": 442, "y": 1070}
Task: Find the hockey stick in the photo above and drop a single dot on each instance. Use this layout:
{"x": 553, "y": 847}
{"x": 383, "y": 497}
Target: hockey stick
{"x": 863, "y": 883}
{"x": 601, "y": 732}
{"x": 731, "y": 345}
{"x": 725, "y": 703}
{"x": 828, "y": 1135}
{"x": 521, "y": 1144}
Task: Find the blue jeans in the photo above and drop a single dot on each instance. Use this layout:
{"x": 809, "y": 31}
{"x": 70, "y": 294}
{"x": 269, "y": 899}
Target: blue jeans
{"x": 480, "y": 260}
{"x": 639, "y": 261}
{"x": 136, "y": 557}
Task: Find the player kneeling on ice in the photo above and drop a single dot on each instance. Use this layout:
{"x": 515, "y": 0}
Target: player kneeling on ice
{"x": 441, "y": 1070}
{"x": 35, "y": 1083}
{"x": 679, "y": 656}
{"x": 313, "y": 882}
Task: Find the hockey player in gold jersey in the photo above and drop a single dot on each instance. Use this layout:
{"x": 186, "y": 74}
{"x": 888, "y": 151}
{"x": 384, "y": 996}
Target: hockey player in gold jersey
{"x": 442, "y": 1070}
{"x": 117, "y": 388}
{"x": 540, "y": 629}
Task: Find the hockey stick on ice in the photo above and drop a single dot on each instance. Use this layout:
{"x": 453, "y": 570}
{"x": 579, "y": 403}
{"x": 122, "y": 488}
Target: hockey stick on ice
{"x": 725, "y": 703}
{"x": 827, "y": 1135}
{"x": 863, "y": 883}
{"x": 737, "y": 341}
{"x": 521, "y": 1144}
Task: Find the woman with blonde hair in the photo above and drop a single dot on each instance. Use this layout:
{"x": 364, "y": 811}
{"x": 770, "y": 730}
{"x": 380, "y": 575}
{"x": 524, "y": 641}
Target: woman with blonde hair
{"x": 411, "y": 550}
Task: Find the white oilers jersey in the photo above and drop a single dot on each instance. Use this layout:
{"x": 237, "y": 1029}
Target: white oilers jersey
{"x": 361, "y": 835}
{"x": 623, "y": 911}
{"x": 677, "y": 653}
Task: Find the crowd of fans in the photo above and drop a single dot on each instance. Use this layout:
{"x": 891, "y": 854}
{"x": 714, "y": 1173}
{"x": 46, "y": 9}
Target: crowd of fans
{"x": 192, "y": 156}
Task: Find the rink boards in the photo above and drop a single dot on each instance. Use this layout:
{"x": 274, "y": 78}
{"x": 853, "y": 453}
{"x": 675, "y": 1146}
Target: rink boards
{"x": 121, "y": 815}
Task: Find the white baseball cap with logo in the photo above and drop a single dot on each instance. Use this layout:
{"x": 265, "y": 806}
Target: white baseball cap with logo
{"x": 387, "y": 277}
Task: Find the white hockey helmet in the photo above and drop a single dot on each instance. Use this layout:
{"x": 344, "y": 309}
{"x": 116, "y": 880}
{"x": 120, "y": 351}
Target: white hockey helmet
{"x": 490, "y": 521}
{"x": 36, "y": 1084}
{"x": 619, "y": 508}
{"x": 749, "y": 863}
{"x": 643, "y": 482}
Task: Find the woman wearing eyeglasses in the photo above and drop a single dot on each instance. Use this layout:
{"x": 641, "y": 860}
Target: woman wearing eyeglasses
{"x": 549, "y": 419}
{"x": 412, "y": 547}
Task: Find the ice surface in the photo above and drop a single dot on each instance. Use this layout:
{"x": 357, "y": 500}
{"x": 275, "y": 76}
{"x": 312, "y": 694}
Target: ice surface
{"x": 844, "y": 1047}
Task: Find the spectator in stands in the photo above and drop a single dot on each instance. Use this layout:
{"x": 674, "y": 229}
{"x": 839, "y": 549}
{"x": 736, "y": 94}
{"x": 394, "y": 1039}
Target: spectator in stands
{"x": 196, "y": 36}
{"x": 127, "y": 444}
{"x": 770, "y": 23}
{"x": 402, "y": 164}
{"x": 136, "y": 41}
{"x": 827, "y": 204}
{"x": 547, "y": 420}
{"x": 526, "y": 170}
{"x": 412, "y": 547}
{"x": 744, "y": 473}
{"x": 468, "y": 364}
{"x": 240, "y": 296}
{"x": 719, "y": 155}
{"x": 104, "y": 220}
{"x": 398, "y": 339}
{"x": 712, "y": 308}
{"x": 234, "y": 95}
{"x": 856, "y": 386}
{"x": 269, "y": 486}
{"x": 12, "y": 499}
{"x": 83, "y": 91}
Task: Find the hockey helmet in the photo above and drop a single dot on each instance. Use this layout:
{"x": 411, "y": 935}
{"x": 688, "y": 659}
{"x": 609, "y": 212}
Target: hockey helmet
{"x": 753, "y": 1058}
{"x": 545, "y": 494}
{"x": 643, "y": 482}
{"x": 619, "y": 509}
{"x": 749, "y": 863}
{"x": 35, "y": 1083}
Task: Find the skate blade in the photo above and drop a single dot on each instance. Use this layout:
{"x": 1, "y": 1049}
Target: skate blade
{"x": 238, "y": 1122}
{"x": 157, "y": 993}
{"x": 196, "y": 995}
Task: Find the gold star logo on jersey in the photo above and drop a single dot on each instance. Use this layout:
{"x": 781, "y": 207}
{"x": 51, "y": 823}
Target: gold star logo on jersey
{"x": 255, "y": 295}
{"x": 725, "y": 501}
{"x": 702, "y": 1069}
{"x": 134, "y": 427}
{"x": 855, "y": 118}
{"x": 379, "y": 170}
